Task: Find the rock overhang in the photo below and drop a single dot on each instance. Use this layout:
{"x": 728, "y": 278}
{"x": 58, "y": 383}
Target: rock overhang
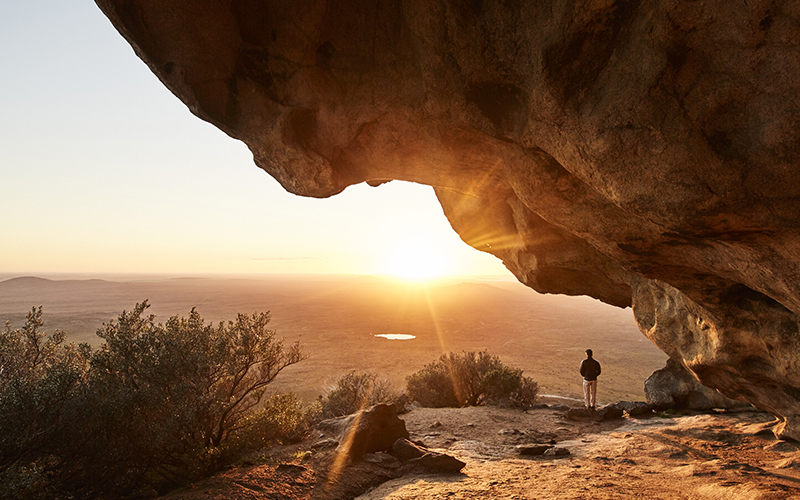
{"x": 645, "y": 154}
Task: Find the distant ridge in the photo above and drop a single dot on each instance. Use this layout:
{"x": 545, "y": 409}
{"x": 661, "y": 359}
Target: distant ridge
{"x": 23, "y": 280}
{"x": 32, "y": 281}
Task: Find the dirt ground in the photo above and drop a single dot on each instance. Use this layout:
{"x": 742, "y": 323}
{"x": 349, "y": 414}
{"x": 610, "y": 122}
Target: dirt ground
{"x": 702, "y": 456}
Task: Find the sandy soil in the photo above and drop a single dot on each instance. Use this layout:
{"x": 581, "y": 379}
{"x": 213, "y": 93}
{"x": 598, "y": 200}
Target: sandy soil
{"x": 703, "y": 456}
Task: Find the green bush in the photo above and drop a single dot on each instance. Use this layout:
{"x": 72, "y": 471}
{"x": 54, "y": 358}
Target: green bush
{"x": 471, "y": 379}
{"x": 41, "y": 378}
{"x": 155, "y": 406}
{"x": 282, "y": 419}
{"x": 355, "y": 391}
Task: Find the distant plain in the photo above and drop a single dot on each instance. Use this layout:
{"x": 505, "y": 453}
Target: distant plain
{"x": 337, "y": 319}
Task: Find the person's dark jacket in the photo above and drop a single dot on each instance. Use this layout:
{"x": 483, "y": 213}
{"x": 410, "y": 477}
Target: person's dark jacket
{"x": 590, "y": 369}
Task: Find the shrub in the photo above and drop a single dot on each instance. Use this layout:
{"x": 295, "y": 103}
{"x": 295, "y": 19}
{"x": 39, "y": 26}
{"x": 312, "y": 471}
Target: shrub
{"x": 470, "y": 379}
{"x": 40, "y": 378}
{"x": 156, "y": 404}
{"x": 356, "y": 391}
{"x": 282, "y": 419}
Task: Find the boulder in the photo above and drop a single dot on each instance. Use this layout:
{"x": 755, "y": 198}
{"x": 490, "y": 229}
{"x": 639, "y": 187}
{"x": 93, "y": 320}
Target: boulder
{"x": 646, "y": 154}
{"x": 367, "y": 431}
{"x": 675, "y": 387}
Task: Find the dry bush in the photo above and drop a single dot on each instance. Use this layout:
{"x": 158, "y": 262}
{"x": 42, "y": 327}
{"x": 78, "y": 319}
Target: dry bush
{"x": 155, "y": 406}
{"x": 355, "y": 391}
{"x": 471, "y": 379}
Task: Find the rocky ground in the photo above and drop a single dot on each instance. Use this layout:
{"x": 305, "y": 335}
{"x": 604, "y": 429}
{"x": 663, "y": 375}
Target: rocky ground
{"x": 713, "y": 455}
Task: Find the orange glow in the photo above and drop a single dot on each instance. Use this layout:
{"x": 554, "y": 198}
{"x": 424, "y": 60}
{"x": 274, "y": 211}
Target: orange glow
{"x": 417, "y": 260}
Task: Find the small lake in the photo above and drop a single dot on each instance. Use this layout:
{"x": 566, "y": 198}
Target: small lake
{"x": 396, "y": 336}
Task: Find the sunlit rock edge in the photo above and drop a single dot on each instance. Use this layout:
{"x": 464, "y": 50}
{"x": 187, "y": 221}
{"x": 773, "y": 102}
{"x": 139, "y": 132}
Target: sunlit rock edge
{"x": 644, "y": 154}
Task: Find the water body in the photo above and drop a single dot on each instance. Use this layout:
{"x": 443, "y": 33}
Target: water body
{"x": 396, "y": 336}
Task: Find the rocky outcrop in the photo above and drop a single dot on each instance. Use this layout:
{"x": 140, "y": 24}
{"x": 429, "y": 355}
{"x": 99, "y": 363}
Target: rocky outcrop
{"x": 601, "y": 414}
{"x": 643, "y": 153}
{"x": 674, "y": 387}
{"x": 374, "y": 429}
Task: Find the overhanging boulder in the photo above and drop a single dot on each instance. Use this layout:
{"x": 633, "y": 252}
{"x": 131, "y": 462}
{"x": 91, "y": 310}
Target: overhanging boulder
{"x": 643, "y": 153}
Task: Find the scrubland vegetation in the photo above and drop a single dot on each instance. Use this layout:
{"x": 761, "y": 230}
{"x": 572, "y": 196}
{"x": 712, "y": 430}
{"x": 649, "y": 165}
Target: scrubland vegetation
{"x": 158, "y": 405}
{"x": 155, "y": 406}
{"x": 356, "y": 391}
{"x": 471, "y": 379}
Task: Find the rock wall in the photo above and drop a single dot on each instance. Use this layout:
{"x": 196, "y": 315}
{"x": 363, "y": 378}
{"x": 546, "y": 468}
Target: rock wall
{"x": 643, "y": 153}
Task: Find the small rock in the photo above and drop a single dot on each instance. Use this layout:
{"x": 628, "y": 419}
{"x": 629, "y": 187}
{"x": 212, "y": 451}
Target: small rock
{"x": 533, "y": 449}
{"x": 556, "y": 452}
{"x": 405, "y": 450}
{"x": 634, "y": 408}
{"x": 542, "y": 437}
{"x": 439, "y": 462}
{"x": 611, "y": 413}
{"x": 436, "y": 424}
{"x": 509, "y": 432}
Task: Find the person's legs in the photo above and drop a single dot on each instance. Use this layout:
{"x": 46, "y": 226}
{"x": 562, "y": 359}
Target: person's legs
{"x": 592, "y": 396}
{"x": 587, "y": 393}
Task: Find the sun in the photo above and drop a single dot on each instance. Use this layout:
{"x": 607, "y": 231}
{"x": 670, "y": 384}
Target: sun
{"x": 417, "y": 260}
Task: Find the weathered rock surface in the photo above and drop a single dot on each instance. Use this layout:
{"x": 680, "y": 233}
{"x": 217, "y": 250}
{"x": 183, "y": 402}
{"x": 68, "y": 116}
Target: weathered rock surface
{"x": 533, "y": 449}
{"x": 405, "y": 450}
{"x": 608, "y": 412}
{"x": 674, "y": 387}
{"x": 439, "y": 462}
{"x": 415, "y": 454}
{"x": 643, "y": 153}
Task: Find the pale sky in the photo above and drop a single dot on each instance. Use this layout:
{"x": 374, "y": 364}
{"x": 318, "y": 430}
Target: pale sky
{"x": 103, "y": 170}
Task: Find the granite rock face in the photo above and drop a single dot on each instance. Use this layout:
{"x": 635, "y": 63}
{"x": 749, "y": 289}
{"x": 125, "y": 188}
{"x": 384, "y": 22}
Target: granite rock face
{"x": 674, "y": 387}
{"x": 643, "y": 153}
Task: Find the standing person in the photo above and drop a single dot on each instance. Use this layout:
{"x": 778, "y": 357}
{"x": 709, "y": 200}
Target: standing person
{"x": 590, "y": 369}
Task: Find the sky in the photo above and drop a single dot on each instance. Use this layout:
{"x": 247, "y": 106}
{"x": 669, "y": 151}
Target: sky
{"x": 103, "y": 170}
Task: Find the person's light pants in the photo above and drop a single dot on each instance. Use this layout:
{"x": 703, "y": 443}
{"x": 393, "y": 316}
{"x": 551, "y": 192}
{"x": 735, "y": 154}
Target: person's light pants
{"x": 590, "y": 392}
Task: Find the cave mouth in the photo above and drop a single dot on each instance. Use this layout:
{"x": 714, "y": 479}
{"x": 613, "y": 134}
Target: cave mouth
{"x": 641, "y": 154}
